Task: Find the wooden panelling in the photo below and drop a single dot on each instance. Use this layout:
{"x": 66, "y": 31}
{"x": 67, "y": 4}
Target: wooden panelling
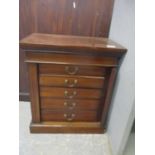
{"x": 88, "y": 18}
{"x": 26, "y": 27}
{"x": 77, "y": 17}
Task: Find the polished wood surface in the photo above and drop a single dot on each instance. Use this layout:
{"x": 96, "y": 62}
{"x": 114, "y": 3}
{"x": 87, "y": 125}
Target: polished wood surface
{"x": 78, "y": 93}
{"x": 69, "y": 42}
{"x": 50, "y": 103}
{"x": 64, "y": 58}
{"x": 66, "y": 127}
{"x": 78, "y": 17}
{"x": 71, "y": 81}
{"x": 59, "y": 69}
{"x": 34, "y": 92}
{"x": 26, "y": 27}
{"x": 70, "y": 86}
{"x": 47, "y": 115}
{"x": 108, "y": 95}
{"x": 88, "y": 18}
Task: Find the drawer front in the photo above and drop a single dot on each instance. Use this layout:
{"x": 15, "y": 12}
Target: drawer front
{"x": 48, "y": 103}
{"x": 70, "y": 93}
{"x": 47, "y": 115}
{"x": 71, "y": 81}
{"x": 71, "y": 70}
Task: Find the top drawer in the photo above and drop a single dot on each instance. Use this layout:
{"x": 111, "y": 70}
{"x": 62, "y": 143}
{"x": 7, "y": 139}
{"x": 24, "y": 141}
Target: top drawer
{"x": 57, "y": 69}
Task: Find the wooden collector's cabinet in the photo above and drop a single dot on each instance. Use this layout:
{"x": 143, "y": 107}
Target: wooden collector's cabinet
{"x": 71, "y": 81}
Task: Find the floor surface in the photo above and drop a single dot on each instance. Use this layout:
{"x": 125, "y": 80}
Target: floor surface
{"x": 63, "y": 144}
{"x": 130, "y": 147}
{"x": 58, "y": 144}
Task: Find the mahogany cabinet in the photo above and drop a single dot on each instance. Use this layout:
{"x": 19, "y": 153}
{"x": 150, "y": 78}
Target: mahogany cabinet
{"x": 70, "y": 17}
{"x": 71, "y": 80}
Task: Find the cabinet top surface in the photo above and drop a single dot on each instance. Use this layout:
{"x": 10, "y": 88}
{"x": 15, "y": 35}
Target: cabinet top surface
{"x": 50, "y": 41}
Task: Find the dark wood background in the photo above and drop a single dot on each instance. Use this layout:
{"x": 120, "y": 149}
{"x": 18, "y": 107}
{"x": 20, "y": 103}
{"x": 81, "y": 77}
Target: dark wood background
{"x": 88, "y": 18}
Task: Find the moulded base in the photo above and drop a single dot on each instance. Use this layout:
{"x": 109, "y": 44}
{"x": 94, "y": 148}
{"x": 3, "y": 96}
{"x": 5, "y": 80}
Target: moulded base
{"x": 66, "y": 127}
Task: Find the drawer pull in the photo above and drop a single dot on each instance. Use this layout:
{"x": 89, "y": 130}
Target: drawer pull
{"x": 66, "y": 93}
{"x": 69, "y": 117}
{"x": 69, "y": 84}
{"x": 71, "y": 71}
{"x": 70, "y": 105}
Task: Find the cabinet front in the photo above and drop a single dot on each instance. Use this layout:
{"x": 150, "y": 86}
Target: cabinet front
{"x": 71, "y": 93}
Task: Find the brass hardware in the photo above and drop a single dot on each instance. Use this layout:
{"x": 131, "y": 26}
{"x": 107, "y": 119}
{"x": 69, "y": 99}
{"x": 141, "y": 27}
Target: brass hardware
{"x": 66, "y": 93}
{"x": 69, "y": 117}
{"x": 69, "y": 84}
{"x": 66, "y": 81}
{"x": 70, "y": 105}
{"x": 71, "y": 71}
{"x": 65, "y": 104}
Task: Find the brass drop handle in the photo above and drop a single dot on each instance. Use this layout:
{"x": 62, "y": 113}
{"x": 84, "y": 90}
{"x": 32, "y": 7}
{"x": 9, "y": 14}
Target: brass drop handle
{"x": 71, "y": 70}
{"x": 69, "y": 84}
{"x": 66, "y": 93}
{"x": 69, "y": 117}
{"x": 70, "y": 105}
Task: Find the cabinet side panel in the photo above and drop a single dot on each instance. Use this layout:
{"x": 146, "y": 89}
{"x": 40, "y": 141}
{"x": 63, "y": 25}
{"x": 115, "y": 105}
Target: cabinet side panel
{"x": 34, "y": 92}
{"x": 108, "y": 95}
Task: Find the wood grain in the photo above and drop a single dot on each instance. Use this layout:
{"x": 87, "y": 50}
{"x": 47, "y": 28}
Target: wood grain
{"x": 60, "y": 69}
{"x": 57, "y": 57}
{"x": 108, "y": 95}
{"x": 66, "y": 89}
{"x": 70, "y": 42}
{"x": 48, "y": 103}
{"x": 71, "y": 81}
{"x": 26, "y": 27}
{"x": 89, "y": 18}
{"x": 34, "y": 92}
{"x": 53, "y": 115}
{"x": 66, "y": 127}
{"x": 55, "y": 92}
